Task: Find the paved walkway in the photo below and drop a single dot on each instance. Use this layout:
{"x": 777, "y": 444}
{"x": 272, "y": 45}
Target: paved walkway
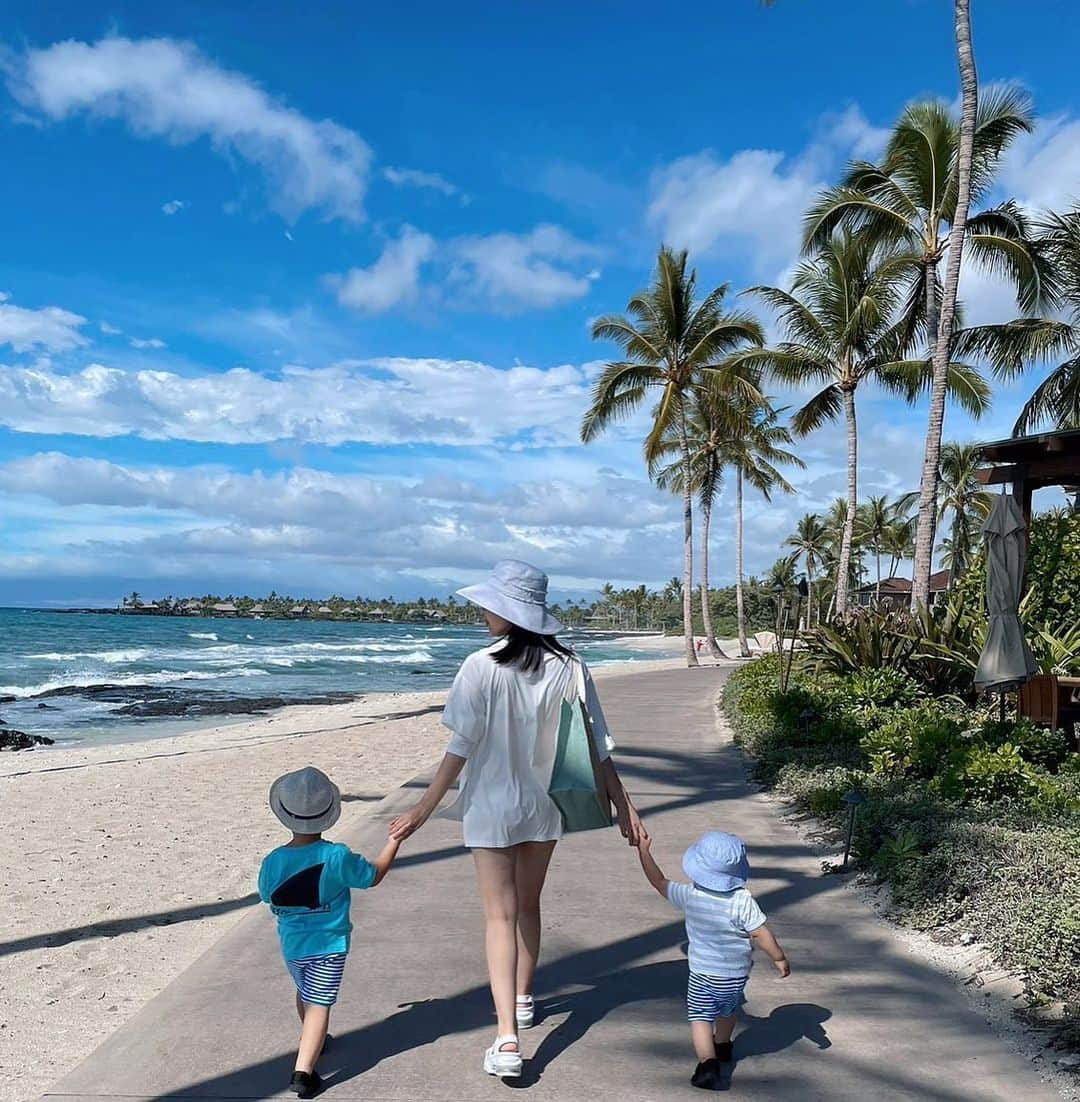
{"x": 860, "y": 1017}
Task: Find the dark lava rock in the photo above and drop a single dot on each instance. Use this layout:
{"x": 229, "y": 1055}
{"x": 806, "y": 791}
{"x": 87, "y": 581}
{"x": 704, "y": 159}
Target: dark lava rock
{"x": 150, "y": 701}
{"x": 20, "y": 740}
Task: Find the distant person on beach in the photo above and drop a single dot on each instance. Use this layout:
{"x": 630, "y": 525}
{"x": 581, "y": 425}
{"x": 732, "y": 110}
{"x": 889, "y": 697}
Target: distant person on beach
{"x": 723, "y": 925}
{"x": 308, "y": 884}
{"x": 504, "y": 711}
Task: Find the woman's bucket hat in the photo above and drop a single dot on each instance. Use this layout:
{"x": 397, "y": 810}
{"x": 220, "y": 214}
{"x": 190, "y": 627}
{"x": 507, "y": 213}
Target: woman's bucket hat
{"x": 517, "y": 592}
{"x": 307, "y": 801}
{"x": 717, "y": 861}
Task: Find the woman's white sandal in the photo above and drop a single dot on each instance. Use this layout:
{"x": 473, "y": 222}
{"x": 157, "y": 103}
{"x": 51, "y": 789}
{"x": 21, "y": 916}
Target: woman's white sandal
{"x": 506, "y": 1065}
{"x": 524, "y": 1011}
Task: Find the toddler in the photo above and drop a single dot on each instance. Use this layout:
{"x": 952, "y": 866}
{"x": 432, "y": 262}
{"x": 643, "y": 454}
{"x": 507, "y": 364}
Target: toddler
{"x": 723, "y": 924}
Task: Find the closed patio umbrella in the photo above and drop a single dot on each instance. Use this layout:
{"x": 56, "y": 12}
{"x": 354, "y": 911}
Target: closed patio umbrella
{"x": 1006, "y": 661}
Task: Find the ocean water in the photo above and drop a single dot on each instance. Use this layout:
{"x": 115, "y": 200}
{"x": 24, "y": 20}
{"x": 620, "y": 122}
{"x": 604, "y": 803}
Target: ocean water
{"x": 104, "y": 677}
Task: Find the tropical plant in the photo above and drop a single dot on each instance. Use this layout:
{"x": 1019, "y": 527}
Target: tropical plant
{"x": 1013, "y": 346}
{"x": 754, "y": 449}
{"x": 918, "y": 196}
{"x": 707, "y": 429}
{"x": 810, "y": 544}
{"x": 840, "y": 318}
{"x": 964, "y": 497}
{"x": 671, "y": 343}
{"x": 885, "y": 529}
{"x": 899, "y": 541}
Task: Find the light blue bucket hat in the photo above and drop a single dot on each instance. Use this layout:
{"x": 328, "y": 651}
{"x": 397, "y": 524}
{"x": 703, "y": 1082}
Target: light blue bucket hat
{"x": 717, "y": 861}
{"x": 517, "y": 592}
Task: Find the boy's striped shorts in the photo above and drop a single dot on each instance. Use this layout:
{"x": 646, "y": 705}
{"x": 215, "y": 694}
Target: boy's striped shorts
{"x": 712, "y": 997}
{"x": 318, "y": 978}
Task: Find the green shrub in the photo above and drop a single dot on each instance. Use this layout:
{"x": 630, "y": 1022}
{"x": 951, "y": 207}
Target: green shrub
{"x": 918, "y": 741}
{"x": 998, "y": 774}
{"x": 1038, "y": 745}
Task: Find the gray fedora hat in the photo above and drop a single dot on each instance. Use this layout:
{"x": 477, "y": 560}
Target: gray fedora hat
{"x": 517, "y": 592}
{"x": 307, "y": 801}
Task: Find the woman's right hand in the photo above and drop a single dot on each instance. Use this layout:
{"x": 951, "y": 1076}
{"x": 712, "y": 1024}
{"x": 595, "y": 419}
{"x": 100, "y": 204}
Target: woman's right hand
{"x": 408, "y": 822}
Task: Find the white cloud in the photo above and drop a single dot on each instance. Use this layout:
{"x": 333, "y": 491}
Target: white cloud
{"x": 753, "y": 200}
{"x": 290, "y": 523}
{"x": 49, "y": 328}
{"x": 393, "y": 278}
{"x": 164, "y": 88}
{"x": 109, "y": 330}
{"x": 150, "y": 342}
{"x": 413, "y": 177}
{"x": 1042, "y": 169}
{"x": 386, "y": 401}
{"x": 173, "y": 206}
{"x": 510, "y": 272}
{"x": 505, "y": 272}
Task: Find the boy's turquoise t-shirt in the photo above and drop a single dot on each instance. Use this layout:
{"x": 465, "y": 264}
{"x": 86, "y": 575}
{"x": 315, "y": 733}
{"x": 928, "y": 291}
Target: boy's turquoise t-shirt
{"x": 308, "y": 889}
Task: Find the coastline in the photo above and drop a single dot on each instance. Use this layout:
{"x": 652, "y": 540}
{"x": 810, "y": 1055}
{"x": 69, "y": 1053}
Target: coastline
{"x": 142, "y": 854}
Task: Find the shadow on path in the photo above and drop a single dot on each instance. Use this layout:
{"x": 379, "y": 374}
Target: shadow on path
{"x": 126, "y": 925}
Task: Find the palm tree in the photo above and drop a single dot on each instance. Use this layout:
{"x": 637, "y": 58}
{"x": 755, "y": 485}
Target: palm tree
{"x": 1011, "y": 347}
{"x": 840, "y": 321}
{"x": 899, "y": 542}
{"x": 933, "y": 169}
{"x": 883, "y": 525}
{"x": 672, "y": 343}
{"x": 810, "y": 543}
{"x": 708, "y": 427}
{"x": 963, "y": 496}
{"x": 754, "y": 447}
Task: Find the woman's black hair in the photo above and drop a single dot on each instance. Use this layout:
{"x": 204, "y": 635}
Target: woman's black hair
{"x": 526, "y": 649}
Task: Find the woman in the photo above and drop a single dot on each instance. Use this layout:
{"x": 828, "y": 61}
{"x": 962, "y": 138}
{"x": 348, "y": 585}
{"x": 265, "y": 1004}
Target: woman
{"x": 504, "y": 710}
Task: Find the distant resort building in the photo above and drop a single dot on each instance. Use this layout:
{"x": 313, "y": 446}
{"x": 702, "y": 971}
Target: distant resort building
{"x": 325, "y": 610}
{"x": 379, "y": 614}
{"x": 298, "y": 610}
{"x": 224, "y": 608}
{"x": 896, "y": 592}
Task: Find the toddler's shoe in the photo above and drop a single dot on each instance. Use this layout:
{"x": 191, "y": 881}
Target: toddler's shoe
{"x": 506, "y": 1065}
{"x": 306, "y": 1084}
{"x": 724, "y": 1052}
{"x": 525, "y": 1011}
{"x": 706, "y": 1075}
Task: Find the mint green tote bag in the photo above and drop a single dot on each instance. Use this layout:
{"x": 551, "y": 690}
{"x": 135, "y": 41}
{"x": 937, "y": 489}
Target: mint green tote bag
{"x": 576, "y": 786}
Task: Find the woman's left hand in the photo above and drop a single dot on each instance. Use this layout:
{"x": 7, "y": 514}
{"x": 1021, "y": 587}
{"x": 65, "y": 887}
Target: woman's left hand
{"x": 630, "y": 824}
{"x": 408, "y": 822}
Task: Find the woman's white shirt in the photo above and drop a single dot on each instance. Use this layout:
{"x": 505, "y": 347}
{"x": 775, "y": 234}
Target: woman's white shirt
{"x": 505, "y": 723}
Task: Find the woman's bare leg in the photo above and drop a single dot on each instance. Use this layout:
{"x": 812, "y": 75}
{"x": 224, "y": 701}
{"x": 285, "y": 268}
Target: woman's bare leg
{"x": 495, "y": 871}
{"x": 533, "y": 859}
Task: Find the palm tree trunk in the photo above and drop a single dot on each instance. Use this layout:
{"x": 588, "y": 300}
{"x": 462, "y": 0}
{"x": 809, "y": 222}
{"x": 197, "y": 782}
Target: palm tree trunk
{"x": 706, "y": 612}
{"x": 740, "y": 603}
{"x": 877, "y": 556}
{"x": 688, "y": 544}
{"x": 969, "y": 85}
{"x": 848, "y": 538}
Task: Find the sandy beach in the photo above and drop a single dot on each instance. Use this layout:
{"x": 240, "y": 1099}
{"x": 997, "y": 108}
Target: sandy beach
{"x": 124, "y": 863}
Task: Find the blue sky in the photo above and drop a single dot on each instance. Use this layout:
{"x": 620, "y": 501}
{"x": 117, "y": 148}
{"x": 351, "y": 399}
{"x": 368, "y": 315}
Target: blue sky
{"x": 299, "y": 298}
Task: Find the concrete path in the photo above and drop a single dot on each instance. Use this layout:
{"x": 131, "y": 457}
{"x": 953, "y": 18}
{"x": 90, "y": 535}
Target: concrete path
{"x": 859, "y": 1018}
